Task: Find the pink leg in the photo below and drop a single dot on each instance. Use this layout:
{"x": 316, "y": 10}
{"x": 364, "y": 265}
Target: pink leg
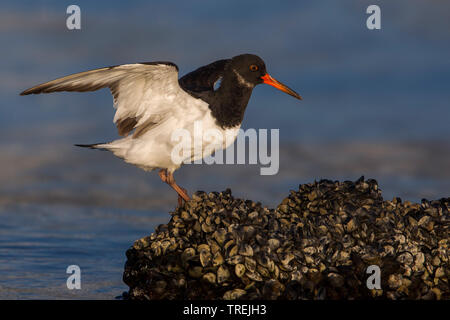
{"x": 170, "y": 180}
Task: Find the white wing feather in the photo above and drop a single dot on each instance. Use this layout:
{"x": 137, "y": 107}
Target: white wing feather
{"x": 141, "y": 91}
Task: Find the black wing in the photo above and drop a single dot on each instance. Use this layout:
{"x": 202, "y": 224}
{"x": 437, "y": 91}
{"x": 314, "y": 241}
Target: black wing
{"x": 204, "y": 78}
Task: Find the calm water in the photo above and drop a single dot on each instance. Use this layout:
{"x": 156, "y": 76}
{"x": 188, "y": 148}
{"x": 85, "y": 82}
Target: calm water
{"x": 376, "y": 103}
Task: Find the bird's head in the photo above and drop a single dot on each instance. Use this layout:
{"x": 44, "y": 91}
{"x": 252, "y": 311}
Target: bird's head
{"x": 250, "y": 70}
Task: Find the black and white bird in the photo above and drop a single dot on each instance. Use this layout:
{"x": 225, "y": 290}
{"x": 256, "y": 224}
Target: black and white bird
{"x": 151, "y": 103}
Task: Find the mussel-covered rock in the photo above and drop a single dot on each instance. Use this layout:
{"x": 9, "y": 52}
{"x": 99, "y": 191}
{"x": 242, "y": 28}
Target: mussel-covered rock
{"x": 317, "y": 244}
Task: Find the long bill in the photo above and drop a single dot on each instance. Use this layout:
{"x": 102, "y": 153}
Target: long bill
{"x": 267, "y": 79}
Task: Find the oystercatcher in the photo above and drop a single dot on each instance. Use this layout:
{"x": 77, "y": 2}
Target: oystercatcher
{"x": 151, "y": 102}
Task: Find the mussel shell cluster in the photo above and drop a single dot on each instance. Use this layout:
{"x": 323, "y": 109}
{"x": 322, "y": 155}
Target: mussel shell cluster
{"x": 317, "y": 244}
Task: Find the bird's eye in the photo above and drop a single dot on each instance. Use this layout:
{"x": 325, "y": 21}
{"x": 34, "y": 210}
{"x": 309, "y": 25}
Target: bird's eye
{"x": 253, "y": 67}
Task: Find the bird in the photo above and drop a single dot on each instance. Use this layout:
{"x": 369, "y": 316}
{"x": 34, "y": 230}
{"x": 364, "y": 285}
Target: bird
{"x": 151, "y": 101}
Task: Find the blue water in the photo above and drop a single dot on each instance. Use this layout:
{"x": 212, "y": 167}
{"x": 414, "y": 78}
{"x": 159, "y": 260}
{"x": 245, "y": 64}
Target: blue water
{"x": 376, "y": 103}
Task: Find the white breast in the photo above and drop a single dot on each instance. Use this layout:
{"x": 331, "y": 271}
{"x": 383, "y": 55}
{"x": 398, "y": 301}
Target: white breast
{"x": 211, "y": 137}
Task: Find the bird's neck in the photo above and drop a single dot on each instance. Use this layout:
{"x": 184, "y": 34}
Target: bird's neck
{"x": 229, "y": 102}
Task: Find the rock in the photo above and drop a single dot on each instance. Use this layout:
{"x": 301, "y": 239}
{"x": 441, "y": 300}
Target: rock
{"x": 317, "y": 244}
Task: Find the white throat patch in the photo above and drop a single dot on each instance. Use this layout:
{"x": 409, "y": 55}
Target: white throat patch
{"x": 242, "y": 80}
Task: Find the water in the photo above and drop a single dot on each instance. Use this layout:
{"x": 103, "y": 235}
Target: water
{"x": 38, "y": 247}
{"x": 376, "y": 103}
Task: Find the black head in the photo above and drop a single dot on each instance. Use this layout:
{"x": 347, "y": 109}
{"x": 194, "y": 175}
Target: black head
{"x": 250, "y": 71}
{"x": 249, "y": 68}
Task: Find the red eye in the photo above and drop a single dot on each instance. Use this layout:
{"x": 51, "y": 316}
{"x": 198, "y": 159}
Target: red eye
{"x": 253, "y": 67}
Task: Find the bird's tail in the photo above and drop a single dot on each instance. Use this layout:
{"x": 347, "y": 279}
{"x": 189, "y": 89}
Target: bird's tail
{"x": 115, "y": 147}
{"x": 98, "y": 146}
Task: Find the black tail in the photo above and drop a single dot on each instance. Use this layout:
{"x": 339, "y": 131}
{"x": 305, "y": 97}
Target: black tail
{"x": 91, "y": 146}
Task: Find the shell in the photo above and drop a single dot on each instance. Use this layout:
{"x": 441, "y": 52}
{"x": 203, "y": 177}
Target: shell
{"x": 223, "y": 274}
{"x": 239, "y": 270}
{"x": 210, "y": 277}
{"x": 234, "y": 294}
{"x": 205, "y": 258}
{"x": 218, "y": 259}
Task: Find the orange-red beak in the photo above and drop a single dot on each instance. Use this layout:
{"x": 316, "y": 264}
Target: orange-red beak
{"x": 277, "y": 84}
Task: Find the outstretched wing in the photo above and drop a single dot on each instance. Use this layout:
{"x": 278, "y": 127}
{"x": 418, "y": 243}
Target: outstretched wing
{"x": 142, "y": 92}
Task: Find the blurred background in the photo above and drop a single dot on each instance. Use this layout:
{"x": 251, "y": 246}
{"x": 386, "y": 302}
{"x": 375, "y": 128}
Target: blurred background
{"x": 376, "y": 103}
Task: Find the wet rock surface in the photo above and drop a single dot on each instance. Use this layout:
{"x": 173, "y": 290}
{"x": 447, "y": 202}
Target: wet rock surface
{"x": 317, "y": 244}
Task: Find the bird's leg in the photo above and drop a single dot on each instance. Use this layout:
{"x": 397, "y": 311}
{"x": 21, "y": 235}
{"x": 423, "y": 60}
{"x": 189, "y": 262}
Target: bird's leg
{"x": 168, "y": 178}
{"x": 180, "y": 198}
{"x": 182, "y": 193}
